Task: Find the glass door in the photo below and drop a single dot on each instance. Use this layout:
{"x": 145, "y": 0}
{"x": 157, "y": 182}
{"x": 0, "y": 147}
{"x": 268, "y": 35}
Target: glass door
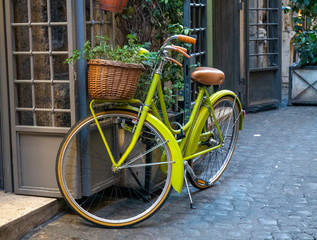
{"x": 263, "y": 20}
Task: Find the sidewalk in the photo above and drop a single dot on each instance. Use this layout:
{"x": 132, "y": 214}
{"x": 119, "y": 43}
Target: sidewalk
{"x": 20, "y": 214}
{"x": 269, "y": 191}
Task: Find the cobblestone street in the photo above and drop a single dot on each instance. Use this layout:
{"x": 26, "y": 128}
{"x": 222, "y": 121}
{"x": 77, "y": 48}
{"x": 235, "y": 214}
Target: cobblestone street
{"x": 269, "y": 190}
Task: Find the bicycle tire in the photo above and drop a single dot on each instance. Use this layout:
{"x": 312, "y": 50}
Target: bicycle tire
{"x": 105, "y": 197}
{"x": 210, "y": 166}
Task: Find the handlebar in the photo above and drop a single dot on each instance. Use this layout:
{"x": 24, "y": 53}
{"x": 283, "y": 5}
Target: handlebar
{"x": 181, "y": 50}
{"x": 182, "y": 38}
{"x": 177, "y": 49}
{"x": 186, "y": 39}
{"x": 175, "y": 61}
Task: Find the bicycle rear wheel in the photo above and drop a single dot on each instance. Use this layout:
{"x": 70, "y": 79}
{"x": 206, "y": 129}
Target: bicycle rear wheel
{"x": 96, "y": 191}
{"x": 210, "y": 166}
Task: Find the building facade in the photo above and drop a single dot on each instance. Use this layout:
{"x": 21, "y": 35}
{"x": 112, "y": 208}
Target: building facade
{"x": 41, "y": 97}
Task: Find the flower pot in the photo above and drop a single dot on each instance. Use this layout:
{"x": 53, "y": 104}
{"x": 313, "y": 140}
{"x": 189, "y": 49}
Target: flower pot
{"x": 115, "y": 6}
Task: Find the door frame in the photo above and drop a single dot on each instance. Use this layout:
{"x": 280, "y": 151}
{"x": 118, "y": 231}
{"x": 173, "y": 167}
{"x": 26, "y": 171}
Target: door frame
{"x": 5, "y": 139}
{"x": 227, "y": 32}
{"x": 16, "y": 137}
{"x": 275, "y": 101}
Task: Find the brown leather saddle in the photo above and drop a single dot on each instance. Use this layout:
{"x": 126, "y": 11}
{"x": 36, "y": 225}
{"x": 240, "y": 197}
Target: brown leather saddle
{"x": 208, "y": 76}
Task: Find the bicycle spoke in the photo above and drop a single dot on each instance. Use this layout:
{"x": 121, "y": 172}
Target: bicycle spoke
{"x": 210, "y": 166}
{"x": 143, "y": 154}
{"x": 114, "y": 198}
{"x": 145, "y": 164}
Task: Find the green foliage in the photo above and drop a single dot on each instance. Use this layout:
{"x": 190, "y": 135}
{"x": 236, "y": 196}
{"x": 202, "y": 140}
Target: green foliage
{"x": 305, "y": 26}
{"x": 149, "y": 22}
{"x": 308, "y": 8}
{"x": 127, "y": 53}
{"x": 153, "y": 21}
{"x": 306, "y": 45}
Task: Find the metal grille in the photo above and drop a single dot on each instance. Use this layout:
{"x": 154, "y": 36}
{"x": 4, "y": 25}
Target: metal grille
{"x": 40, "y": 43}
{"x": 96, "y": 22}
{"x": 263, "y": 34}
{"x": 195, "y": 18}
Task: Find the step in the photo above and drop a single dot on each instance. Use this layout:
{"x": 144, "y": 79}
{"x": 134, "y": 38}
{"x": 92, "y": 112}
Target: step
{"x": 20, "y": 214}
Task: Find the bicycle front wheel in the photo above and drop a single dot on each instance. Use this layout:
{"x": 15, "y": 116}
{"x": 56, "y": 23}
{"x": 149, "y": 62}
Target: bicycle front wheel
{"x": 210, "y": 166}
{"x": 98, "y": 192}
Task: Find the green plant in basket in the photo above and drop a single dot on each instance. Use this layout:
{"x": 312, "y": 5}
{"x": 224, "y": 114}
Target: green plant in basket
{"x": 127, "y": 53}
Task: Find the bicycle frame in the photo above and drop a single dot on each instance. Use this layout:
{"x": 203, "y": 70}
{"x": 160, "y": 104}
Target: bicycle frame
{"x": 183, "y": 149}
{"x": 177, "y": 159}
{"x": 117, "y": 167}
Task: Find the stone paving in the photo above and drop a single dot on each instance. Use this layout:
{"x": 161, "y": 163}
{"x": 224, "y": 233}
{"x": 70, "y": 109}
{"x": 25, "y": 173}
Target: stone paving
{"x": 269, "y": 191}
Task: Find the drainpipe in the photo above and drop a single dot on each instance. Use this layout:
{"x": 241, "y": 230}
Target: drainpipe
{"x": 81, "y": 65}
{"x": 210, "y": 32}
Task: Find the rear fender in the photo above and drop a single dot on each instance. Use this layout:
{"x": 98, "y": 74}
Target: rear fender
{"x": 216, "y": 96}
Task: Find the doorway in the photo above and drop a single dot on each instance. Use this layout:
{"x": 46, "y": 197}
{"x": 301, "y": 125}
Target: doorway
{"x": 227, "y": 42}
{"x": 263, "y": 51}
{"x": 248, "y": 50}
{"x": 38, "y": 91}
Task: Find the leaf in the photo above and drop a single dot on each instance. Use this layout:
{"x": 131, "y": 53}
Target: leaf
{"x": 309, "y": 21}
{"x": 298, "y": 28}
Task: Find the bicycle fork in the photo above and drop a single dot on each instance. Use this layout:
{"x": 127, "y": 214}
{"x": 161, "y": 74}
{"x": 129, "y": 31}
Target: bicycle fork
{"x": 137, "y": 132}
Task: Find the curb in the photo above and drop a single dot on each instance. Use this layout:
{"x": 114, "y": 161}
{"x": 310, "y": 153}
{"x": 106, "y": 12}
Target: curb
{"x": 18, "y": 228}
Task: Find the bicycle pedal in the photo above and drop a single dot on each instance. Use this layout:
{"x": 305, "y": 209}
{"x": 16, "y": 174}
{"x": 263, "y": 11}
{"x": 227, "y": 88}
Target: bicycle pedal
{"x": 203, "y": 182}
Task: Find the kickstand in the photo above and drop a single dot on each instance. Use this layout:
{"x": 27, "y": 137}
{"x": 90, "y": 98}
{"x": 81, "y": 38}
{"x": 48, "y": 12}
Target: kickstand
{"x": 192, "y": 206}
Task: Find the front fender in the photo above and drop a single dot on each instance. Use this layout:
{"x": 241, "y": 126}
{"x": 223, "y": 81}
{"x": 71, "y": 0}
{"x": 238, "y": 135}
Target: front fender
{"x": 178, "y": 165}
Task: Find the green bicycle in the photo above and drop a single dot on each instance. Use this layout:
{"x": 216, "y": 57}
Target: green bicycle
{"x": 117, "y": 167}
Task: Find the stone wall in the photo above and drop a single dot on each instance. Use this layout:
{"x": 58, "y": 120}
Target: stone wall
{"x": 287, "y": 46}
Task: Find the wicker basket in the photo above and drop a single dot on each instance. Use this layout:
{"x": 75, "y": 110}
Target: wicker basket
{"x": 111, "y": 80}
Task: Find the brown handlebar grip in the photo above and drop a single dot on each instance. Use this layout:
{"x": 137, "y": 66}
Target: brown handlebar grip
{"x": 180, "y": 48}
{"x": 175, "y": 61}
{"x": 186, "y": 39}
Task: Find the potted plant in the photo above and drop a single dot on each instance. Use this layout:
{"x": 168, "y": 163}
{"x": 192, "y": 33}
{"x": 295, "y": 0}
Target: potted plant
{"x": 303, "y": 82}
{"x": 113, "y": 72}
{"x": 115, "y": 6}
